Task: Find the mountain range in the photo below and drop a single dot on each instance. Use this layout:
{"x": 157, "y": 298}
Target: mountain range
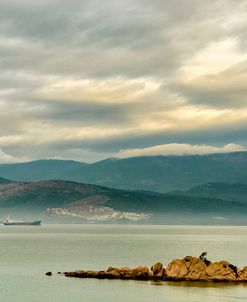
{"x": 71, "y": 201}
{"x": 153, "y": 173}
{"x": 206, "y": 189}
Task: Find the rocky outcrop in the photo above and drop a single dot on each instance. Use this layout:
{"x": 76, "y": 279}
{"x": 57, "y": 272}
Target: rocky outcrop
{"x": 137, "y": 273}
{"x": 192, "y": 268}
{"x": 157, "y": 271}
{"x": 186, "y": 269}
{"x": 221, "y": 270}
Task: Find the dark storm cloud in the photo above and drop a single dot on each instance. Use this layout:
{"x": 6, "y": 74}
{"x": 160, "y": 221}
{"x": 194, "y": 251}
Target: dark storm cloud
{"x": 83, "y": 114}
{"x": 103, "y": 39}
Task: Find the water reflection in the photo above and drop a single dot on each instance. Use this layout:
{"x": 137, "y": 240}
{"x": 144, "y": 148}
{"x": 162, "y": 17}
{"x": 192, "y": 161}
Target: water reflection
{"x": 203, "y": 284}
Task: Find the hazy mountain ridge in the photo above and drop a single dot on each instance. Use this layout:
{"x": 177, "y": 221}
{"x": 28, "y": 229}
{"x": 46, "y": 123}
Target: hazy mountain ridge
{"x": 45, "y": 194}
{"x": 153, "y": 173}
{"x": 226, "y": 191}
{"x": 76, "y": 199}
{"x": 38, "y": 170}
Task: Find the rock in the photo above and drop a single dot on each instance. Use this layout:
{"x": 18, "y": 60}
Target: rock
{"x": 177, "y": 269}
{"x": 161, "y": 274}
{"x": 221, "y": 270}
{"x": 126, "y": 272}
{"x": 140, "y": 273}
{"x": 158, "y": 271}
{"x": 193, "y": 268}
{"x": 189, "y": 268}
{"x": 242, "y": 273}
{"x": 110, "y": 269}
{"x": 82, "y": 274}
{"x": 113, "y": 273}
{"x": 151, "y": 275}
{"x": 49, "y": 274}
{"x": 197, "y": 269}
{"x": 156, "y": 268}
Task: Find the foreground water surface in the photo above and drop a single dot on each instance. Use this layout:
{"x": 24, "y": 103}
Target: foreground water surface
{"x": 26, "y": 253}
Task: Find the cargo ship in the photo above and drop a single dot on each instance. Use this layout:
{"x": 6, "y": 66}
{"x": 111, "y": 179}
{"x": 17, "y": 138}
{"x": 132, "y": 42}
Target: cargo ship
{"x": 9, "y": 221}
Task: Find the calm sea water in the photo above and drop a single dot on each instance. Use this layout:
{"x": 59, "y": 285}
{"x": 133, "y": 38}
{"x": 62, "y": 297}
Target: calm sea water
{"x": 26, "y": 253}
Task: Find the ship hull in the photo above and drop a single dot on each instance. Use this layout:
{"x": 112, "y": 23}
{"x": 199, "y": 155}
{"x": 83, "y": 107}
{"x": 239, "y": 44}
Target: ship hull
{"x": 36, "y": 222}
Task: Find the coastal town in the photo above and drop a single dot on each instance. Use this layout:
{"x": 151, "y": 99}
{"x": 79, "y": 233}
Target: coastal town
{"x": 91, "y": 213}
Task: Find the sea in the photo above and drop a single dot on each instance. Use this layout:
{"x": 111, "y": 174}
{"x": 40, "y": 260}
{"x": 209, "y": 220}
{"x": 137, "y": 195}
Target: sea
{"x": 28, "y": 252}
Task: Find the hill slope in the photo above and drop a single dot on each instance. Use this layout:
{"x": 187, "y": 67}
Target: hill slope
{"x": 96, "y": 203}
{"x": 226, "y": 191}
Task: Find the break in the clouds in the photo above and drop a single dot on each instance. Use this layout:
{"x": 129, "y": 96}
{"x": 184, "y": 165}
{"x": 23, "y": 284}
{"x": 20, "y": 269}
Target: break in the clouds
{"x": 92, "y": 79}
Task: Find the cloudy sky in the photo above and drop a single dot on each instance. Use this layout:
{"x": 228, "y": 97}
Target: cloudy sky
{"x": 87, "y": 79}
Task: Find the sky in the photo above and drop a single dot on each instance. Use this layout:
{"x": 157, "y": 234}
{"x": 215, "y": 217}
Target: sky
{"x": 88, "y": 80}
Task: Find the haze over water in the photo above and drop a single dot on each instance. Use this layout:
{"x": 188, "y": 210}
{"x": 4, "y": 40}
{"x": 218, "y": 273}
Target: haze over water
{"x": 27, "y": 253}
